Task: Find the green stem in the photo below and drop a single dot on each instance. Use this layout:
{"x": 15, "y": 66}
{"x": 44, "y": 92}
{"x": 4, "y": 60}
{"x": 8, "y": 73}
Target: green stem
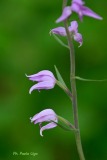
{"x": 79, "y": 145}
{"x": 66, "y": 90}
{"x": 74, "y": 94}
{"x": 73, "y": 87}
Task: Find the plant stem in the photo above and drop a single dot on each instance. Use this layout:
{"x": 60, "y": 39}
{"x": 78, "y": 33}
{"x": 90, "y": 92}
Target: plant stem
{"x": 74, "y": 94}
{"x": 73, "y": 87}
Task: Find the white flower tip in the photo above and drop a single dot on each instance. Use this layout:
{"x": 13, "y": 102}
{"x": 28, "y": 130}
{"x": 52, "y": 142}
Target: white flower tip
{"x": 57, "y": 21}
{"x": 26, "y": 75}
{"x": 41, "y": 133}
{"x": 101, "y": 18}
{"x": 80, "y": 45}
{"x": 30, "y": 91}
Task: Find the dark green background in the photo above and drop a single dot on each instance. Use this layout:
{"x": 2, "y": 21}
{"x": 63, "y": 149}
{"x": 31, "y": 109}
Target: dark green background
{"x": 27, "y": 47}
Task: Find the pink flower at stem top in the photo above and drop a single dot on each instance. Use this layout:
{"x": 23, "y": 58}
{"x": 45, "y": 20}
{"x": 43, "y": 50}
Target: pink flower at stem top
{"x": 78, "y": 7}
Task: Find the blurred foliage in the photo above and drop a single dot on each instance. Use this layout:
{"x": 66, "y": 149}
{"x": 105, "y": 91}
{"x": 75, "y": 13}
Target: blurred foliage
{"x": 26, "y": 47}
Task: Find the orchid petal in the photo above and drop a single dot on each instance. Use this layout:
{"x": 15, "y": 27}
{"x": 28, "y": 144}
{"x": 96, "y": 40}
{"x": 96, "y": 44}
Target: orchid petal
{"x": 78, "y": 1}
{"x": 38, "y": 77}
{"x": 43, "y": 113}
{"x": 48, "y": 126}
{"x": 88, "y": 12}
{"x": 65, "y": 14}
{"x": 59, "y": 30}
{"x": 73, "y": 27}
{"x": 46, "y": 118}
{"x": 78, "y": 38}
{"x": 43, "y": 85}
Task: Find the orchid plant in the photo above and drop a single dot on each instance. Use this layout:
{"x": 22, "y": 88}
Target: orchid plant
{"x": 46, "y": 79}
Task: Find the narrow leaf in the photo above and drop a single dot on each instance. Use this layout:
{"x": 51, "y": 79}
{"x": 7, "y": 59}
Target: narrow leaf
{"x": 60, "y": 41}
{"x": 59, "y": 76}
{"x": 63, "y": 127}
{"x": 66, "y": 122}
{"x": 90, "y": 80}
{"x": 64, "y": 88}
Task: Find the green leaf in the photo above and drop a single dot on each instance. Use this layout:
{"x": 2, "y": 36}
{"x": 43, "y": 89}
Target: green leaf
{"x": 90, "y": 80}
{"x": 61, "y": 126}
{"x": 64, "y": 124}
{"x": 60, "y": 77}
{"x": 59, "y": 41}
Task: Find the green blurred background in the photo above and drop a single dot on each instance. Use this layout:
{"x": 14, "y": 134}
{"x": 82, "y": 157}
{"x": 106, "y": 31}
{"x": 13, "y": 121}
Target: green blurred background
{"x": 27, "y": 47}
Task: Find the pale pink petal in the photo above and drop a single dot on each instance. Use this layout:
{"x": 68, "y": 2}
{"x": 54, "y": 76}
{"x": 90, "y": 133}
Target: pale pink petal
{"x": 46, "y": 118}
{"x": 73, "y": 27}
{"x": 43, "y": 85}
{"x": 65, "y": 14}
{"x": 59, "y": 30}
{"x": 78, "y": 38}
{"x": 88, "y": 12}
{"x": 43, "y": 113}
{"x": 40, "y": 75}
{"x": 42, "y": 78}
{"x": 78, "y": 1}
{"x": 48, "y": 126}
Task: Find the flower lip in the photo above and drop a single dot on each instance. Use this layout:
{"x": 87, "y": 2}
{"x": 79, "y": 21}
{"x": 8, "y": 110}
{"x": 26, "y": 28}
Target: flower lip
{"x": 78, "y": 38}
{"x": 48, "y": 126}
{"x": 42, "y": 85}
{"x": 73, "y": 27}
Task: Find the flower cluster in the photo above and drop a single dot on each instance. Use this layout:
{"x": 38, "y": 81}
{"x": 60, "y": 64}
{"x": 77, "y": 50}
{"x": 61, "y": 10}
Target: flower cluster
{"x": 78, "y": 7}
{"x": 45, "y": 79}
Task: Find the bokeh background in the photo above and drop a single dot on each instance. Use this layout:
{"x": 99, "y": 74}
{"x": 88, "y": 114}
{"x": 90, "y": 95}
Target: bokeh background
{"x": 26, "y": 48}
